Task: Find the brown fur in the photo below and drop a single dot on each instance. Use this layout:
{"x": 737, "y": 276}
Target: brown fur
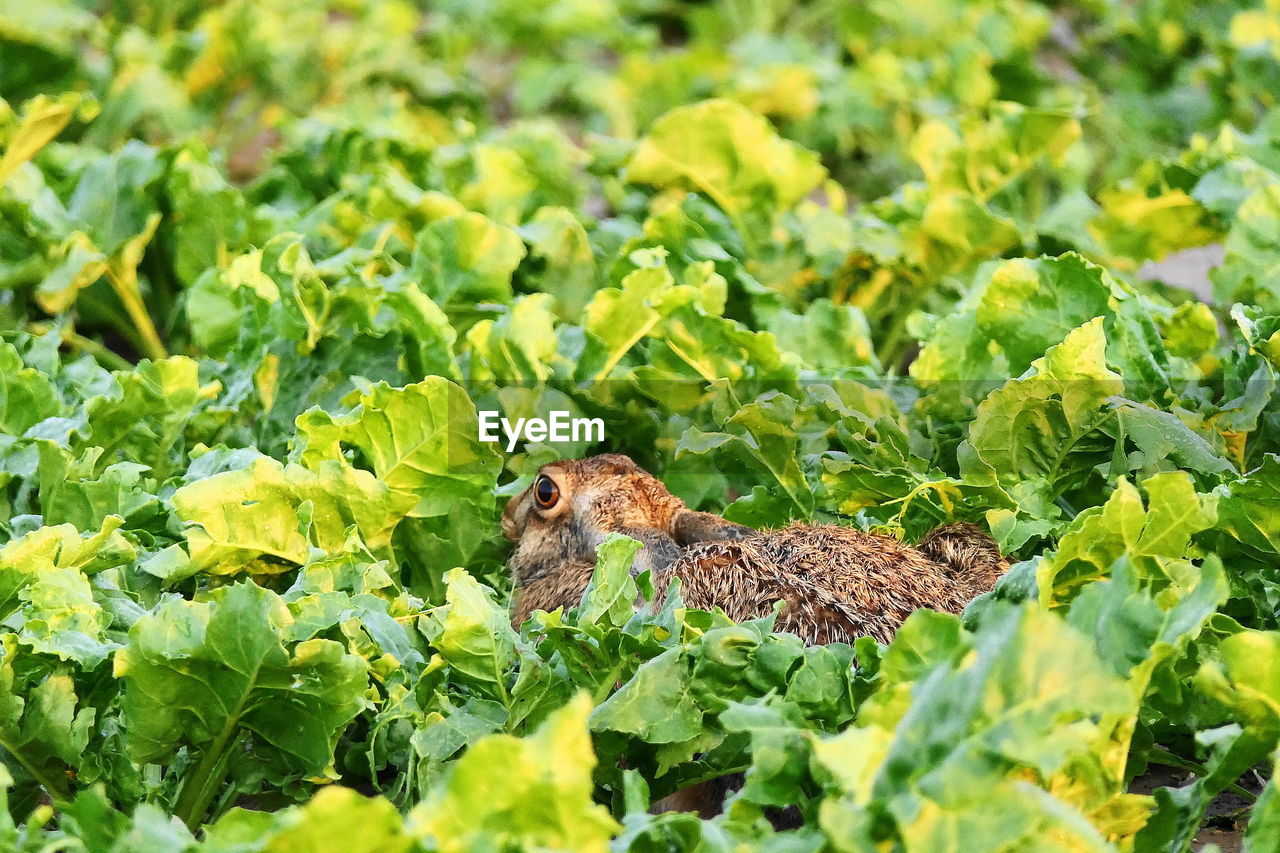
{"x": 837, "y": 583}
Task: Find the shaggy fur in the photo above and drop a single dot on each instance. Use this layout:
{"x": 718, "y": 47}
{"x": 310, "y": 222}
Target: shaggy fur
{"x": 837, "y": 583}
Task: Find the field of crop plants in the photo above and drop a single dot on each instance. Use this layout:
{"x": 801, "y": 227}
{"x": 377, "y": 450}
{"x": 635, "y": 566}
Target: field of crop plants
{"x": 874, "y": 263}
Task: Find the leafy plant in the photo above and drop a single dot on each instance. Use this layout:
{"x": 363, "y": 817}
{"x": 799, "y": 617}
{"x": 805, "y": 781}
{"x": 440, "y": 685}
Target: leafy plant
{"x": 878, "y": 265}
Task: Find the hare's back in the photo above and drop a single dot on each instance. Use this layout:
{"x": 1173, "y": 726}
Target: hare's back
{"x": 838, "y": 582}
{"x": 869, "y": 570}
{"x": 829, "y": 550}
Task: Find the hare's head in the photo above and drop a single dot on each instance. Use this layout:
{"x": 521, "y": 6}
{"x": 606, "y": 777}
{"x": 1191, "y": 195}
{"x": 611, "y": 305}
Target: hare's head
{"x": 572, "y": 505}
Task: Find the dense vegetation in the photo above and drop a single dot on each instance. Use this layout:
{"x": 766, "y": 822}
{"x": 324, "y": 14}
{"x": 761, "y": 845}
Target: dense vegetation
{"x": 873, "y": 263}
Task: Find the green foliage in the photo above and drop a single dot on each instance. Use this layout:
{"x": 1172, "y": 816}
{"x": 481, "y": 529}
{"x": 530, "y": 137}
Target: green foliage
{"x": 882, "y": 265}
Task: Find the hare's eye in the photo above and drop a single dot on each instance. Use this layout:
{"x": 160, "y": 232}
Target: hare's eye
{"x": 546, "y": 492}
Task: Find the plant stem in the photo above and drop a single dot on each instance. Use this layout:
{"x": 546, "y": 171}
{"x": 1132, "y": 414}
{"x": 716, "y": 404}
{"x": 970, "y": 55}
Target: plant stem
{"x": 622, "y": 351}
{"x": 106, "y": 357}
{"x": 201, "y": 787}
{"x": 148, "y": 337}
{"x": 891, "y": 349}
{"x": 1169, "y": 759}
{"x": 501, "y": 681}
{"x": 716, "y": 774}
{"x": 607, "y": 684}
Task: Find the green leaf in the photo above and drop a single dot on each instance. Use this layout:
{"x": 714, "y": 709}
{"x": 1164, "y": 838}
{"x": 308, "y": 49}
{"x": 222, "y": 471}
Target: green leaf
{"x": 464, "y": 259}
{"x": 972, "y": 724}
{"x": 212, "y": 219}
{"x": 26, "y": 395}
{"x": 1147, "y": 223}
{"x": 258, "y": 297}
{"x": 1026, "y": 306}
{"x": 202, "y": 675}
{"x": 1031, "y": 305}
{"x": 762, "y": 433}
{"x": 518, "y": 347}
{"x": 698, "y": 347}
{"x": 959, "y": 227}
{"x": 621, "y": 317}
{"x": 268, "y": 516}
{"x": 610, "y": 597}
{"x": 45, "y": 594}
{"x": 1249, "y": 511}
{"x": 732, "y": 155}
{"x": 541, "y": 798}
{"x": 1250, "y": 272}
{"x": 1161, "y": 439}
{"x": 1007, "y": 814}
{"x": 41, "y": 723}
{"x": 980, "y": 157}
{"x": 568, "y": 266}
{"x": 112, "y": 200}
{"x": 421, "y": 440}
{"x": 1264, "y": 819}
{"x": 1262, "y": 331}
{"x": 1033, "y": 431}
{"x": 143, "y": 419}
{"x": 62, "y": 546}
{"x": 1152, "y": 536}
{"x": 72, "y": 493}
{"x": 826, "y": 336}
{"x": 335, "y": 817}
{"x": 472, "y": 633}
{"x": 60, "y": 617}
{"x": 656, "y": 705}
{"x": 1191, "y": 331}
{"x": 1138, "y": 625}
{"x": 43, "y": 118}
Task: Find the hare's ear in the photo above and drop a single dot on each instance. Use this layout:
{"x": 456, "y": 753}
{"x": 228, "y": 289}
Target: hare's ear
{"x": 689, "y": 527}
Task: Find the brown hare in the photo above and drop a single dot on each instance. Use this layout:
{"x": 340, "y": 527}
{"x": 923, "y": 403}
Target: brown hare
{"x": 837, "y": 583}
